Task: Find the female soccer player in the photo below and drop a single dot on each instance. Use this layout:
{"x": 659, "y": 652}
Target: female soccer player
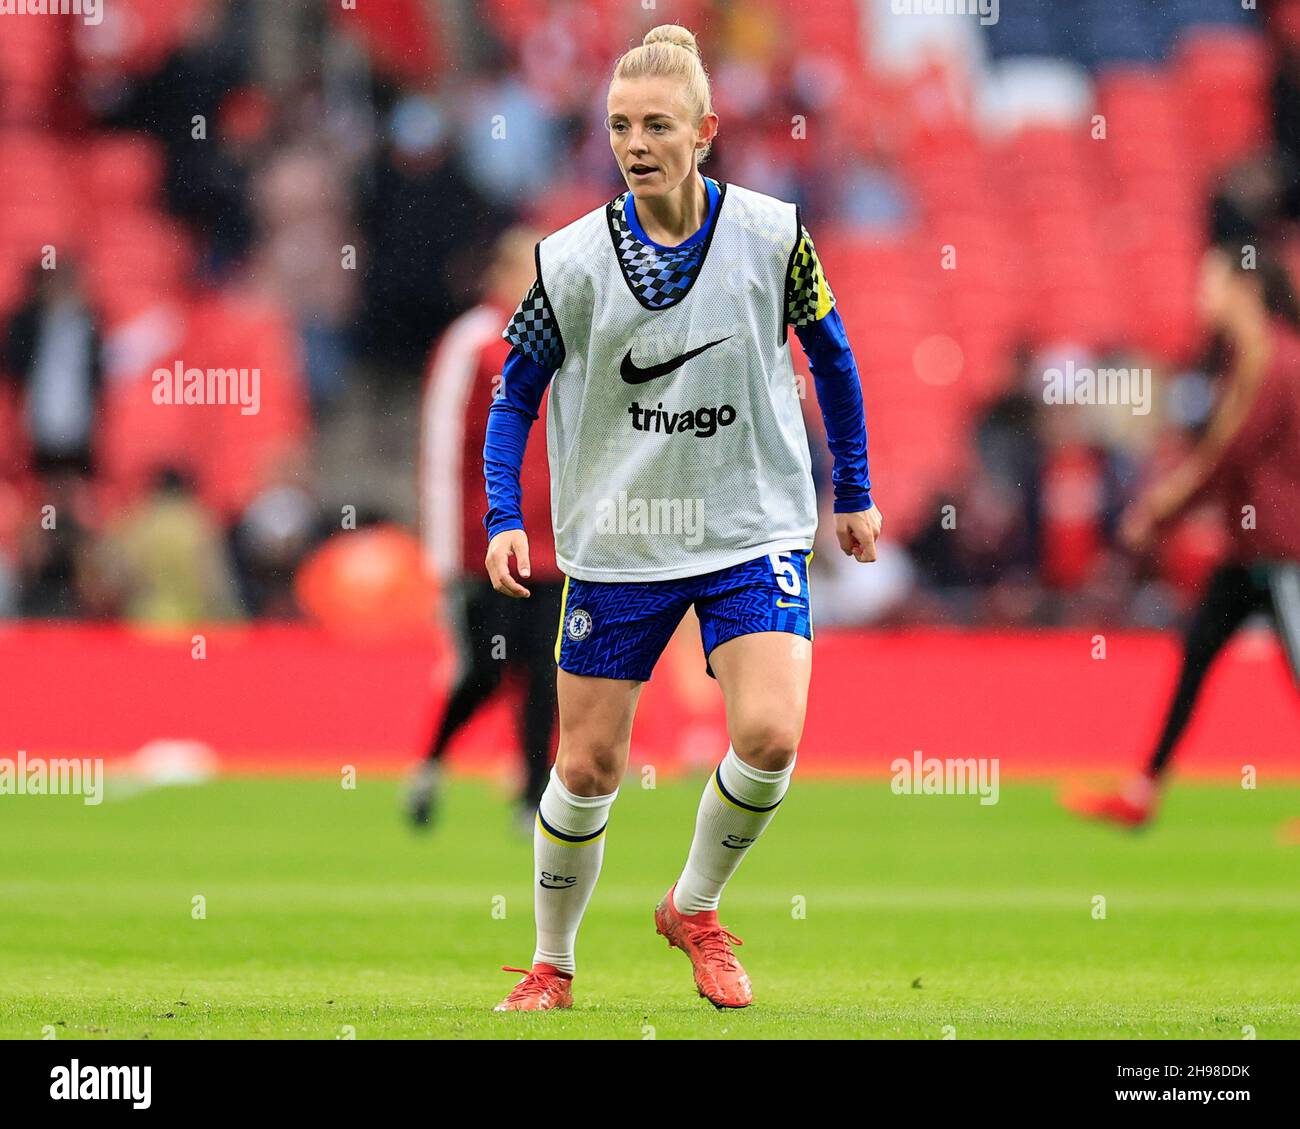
{"x": 680, "y": 475}
{"x": 1250, "y": 457}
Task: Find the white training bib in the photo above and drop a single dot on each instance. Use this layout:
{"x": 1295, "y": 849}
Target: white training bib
{"x": 675, "y": 436}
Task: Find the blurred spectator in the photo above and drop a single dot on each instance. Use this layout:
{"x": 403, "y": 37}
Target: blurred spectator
{"x": 203, "y": 78}
{"x": 304, "y": 224}
{"x": 56, "y": 552}
{"x": 1011, "y": 451}
{"x": 427, "y": 225}
{"x": 166, "y": 561}
{"x": 986, "y": 533}
{"x": 509, "y": 139}
{"x": 1248, "y": 205}
{"x": 53, "y": 351}
{"x": 271, "y": 539}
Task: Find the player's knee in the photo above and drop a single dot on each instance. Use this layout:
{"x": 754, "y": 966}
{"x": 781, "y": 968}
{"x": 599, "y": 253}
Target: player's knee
{"x": 767, "y": 745}
{"x": 589, "y": 772}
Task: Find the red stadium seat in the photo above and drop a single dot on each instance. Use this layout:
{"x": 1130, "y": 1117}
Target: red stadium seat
{"x": 136, "y": 260}
{"x": 37, "y": 166}
{"x": 1222, "y": 79}
{"x": 832, "y": 28}
{"x": 39, "y": 205}
{"x": 513, "y": 19}
{"x": 400, "y": 37}
{"x": 33, "y": 56}
{"x": 124, "y": 170}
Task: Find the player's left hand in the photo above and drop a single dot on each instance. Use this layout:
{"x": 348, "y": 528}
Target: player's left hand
{"x": 857, "y": 533}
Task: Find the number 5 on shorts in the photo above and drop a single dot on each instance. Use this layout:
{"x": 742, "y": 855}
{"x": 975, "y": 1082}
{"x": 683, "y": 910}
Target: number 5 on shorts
{"x": 787, "y": 576}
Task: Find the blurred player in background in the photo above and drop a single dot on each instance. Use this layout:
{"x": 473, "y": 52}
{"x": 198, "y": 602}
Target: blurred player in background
{"x": 492, "y": 635}
{"x": 682, "y": 476}
{"x": 1250, "y": 457}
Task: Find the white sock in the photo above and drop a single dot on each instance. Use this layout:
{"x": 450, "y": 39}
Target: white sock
{"x": 738, "y": 802}
{"x": 568, "y": 846}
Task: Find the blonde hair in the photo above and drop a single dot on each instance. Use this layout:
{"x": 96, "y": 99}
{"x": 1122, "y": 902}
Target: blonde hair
{"x": 670, "y": 51}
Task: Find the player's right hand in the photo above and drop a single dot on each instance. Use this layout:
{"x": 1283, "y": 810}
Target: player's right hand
{"x": 508, "y": 543}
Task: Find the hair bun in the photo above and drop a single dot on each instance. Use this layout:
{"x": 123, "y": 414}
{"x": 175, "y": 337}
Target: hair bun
{"x": 672, "y": 33}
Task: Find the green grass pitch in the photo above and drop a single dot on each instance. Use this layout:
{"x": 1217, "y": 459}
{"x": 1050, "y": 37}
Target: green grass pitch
{"x": 864, "y": 914}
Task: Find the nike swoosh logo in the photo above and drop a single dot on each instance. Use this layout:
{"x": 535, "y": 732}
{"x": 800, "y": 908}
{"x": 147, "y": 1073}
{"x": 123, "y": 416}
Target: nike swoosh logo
{"x": 737, "y": 846}
{"x": 783, "y": 604}
{"x": 633, "y": 374}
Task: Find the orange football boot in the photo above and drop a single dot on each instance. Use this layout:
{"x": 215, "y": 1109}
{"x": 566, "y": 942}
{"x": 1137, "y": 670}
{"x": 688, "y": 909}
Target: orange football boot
{"x": 718, "y": 974}
{"x": 543, "y": 987}
{"x": 1133, "y": 807}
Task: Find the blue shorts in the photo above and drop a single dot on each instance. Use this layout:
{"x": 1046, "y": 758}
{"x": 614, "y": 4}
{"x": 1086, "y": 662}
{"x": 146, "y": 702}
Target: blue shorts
{"x": 619, "y": 630}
